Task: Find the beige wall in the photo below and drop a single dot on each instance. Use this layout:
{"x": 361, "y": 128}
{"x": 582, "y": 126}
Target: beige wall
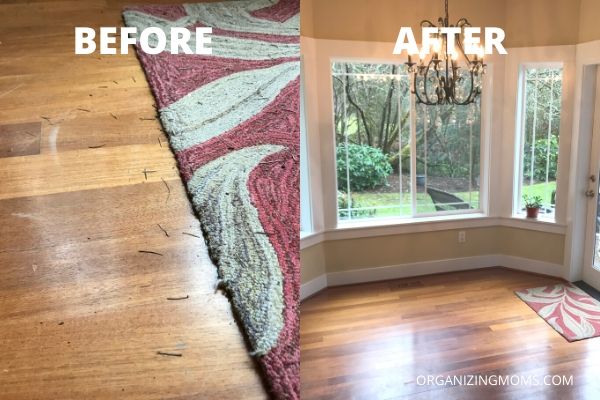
{"x": 312, "y": 260}
{"x": 589, "y": 24}
{"x": 541, "y": 22}
{"x": 534, "y": 245}
{"x": 306, "y": 18}
{"x": 350, "y": 254}
{"x": 342, "y": 255}
{"x": 527, "y": 23}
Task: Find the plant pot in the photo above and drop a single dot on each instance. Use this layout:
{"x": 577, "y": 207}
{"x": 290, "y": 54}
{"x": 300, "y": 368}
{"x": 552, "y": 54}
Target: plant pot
{"x": 532, "y": 212}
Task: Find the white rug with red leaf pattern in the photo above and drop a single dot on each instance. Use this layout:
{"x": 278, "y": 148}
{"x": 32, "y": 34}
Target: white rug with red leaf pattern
{"x": 566, "y": 308}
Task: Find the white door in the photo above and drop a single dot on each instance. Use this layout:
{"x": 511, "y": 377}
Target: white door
{"x": 591, "y": 267}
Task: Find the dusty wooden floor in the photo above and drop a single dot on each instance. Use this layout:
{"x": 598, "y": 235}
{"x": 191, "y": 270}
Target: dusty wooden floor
{"x": 82, "y": 311}
{"x": 372, "y": 341}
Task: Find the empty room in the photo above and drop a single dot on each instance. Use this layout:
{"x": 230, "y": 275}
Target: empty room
{"x": 449, "y": 196}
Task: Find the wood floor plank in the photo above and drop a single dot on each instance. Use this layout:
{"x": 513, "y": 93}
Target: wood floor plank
{"x": 83, "y": 311}
{"x": 373, "y": 341}
{"x": 20, "y": 139}
{"x": 85, "y": 169}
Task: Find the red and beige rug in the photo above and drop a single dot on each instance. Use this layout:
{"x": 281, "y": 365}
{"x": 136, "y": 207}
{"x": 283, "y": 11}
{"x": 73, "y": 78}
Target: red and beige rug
{"x": 566, "y": 308}
{"x": 233, "y": 123}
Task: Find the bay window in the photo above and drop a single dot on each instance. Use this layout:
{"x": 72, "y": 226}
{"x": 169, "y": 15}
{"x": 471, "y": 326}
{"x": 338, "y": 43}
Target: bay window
{"x": 305, "y": 200}
{"x": 537, "y": 144}
{"x": 395, "y": 159}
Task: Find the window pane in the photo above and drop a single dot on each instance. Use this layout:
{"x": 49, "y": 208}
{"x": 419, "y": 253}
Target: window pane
{"x": 543, "y": 94}
{"x": 365, "y": 68}
{"x": 372, "y": 129}
{"x": 305, "y": 209}
{"x": 448, "y": 156}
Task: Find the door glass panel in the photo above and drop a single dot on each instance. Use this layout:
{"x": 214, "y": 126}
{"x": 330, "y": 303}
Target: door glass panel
{"x": 597, "y": 231}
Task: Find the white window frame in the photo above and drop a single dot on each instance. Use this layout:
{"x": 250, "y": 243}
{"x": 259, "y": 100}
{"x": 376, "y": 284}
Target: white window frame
{"x": 485, "y": 117}
{"x": 520, "y": 135}
{"x": 306, "y": 215}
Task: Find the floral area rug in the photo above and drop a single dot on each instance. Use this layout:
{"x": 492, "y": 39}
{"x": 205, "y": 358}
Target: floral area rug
{"x": 566, "y": 308}
{"x": 233, "y": 123}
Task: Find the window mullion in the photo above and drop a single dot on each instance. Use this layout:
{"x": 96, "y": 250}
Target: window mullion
{"x": 470, "y": 160}
{"x": 348, "y": 195}
{"x": 413, "y": 155}
{"x": 399, "y": 101}
{"x": 549, "y": 127}
{"x": 425, "y": 128}
{"x": 535, "y": 109}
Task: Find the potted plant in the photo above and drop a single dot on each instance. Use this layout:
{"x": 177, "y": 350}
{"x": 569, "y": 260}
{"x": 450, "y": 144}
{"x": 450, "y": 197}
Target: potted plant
{"x": 533, "y": 205}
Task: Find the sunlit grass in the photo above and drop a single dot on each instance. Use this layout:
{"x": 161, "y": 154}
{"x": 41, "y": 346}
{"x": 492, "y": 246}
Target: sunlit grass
{"x": 387, "y": 205}
{"x": 544, "y": 190}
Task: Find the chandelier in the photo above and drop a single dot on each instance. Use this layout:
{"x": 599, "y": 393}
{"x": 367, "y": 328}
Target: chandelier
{"x": 439, "y": 78}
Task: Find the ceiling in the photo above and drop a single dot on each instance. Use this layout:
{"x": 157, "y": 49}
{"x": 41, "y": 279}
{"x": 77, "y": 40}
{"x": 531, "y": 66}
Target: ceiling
{"x": 526, "y": 23}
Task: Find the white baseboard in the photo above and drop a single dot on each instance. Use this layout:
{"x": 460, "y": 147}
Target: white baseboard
{"x": 313, "y": 286}
{"x": 409, "y": 270}
{"x": 535, "y": 266}
{"x": 365, "y": 275}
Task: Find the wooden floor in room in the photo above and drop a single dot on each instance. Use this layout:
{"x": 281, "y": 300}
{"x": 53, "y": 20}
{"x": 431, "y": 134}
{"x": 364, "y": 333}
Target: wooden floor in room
{"x": 83, "y": 312}
{"x": 373, "y": 341}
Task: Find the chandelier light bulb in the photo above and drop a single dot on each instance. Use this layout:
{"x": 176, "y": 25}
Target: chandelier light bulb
{"x": 480, "y": 52}
{"x": 437, "y": 45}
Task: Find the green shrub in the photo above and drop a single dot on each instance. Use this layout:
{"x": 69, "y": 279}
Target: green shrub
{"x": 368, "y": 167}
{"x": 541, "y": 153}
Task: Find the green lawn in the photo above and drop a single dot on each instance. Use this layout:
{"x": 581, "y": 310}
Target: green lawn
{"x": 540, "y": 189}
{"x": 387, "y": 204}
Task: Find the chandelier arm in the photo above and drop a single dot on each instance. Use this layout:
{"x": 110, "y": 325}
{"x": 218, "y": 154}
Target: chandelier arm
{"x": 454, "y": 80}
{"x": 427, "y": 23}
{"x": 439, "y": 81}
{"x": 425, "y": 80}
{"x": 461, "y": 23}
{"x": 416, "y": 91}
{"x": 420, "y": 100}
{"x": 471, "y": 98}
{"x": 462, "y": 50}
{"x": 447, "y": 81}
{"x": 427, "y": 99}
{"x": 473, "y": 92}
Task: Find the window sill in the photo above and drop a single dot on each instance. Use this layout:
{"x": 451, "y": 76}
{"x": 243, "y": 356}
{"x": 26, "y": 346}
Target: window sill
{"x": 306, "y": 234}
{"x": 394, "y": 226}
{"x": 542, "y": 223}
{"x": 308, "y": 239}
{"x": 371, "y": 223}
{"x": 386, "y": 227}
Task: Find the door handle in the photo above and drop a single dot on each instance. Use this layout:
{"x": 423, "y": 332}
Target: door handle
{"x": 589, "y": 193}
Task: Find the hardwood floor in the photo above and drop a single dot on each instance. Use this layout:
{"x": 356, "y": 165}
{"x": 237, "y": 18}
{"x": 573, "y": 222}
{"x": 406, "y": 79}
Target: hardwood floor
{"x": 373, "y": 341}
{"x": 83, "y": 311}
